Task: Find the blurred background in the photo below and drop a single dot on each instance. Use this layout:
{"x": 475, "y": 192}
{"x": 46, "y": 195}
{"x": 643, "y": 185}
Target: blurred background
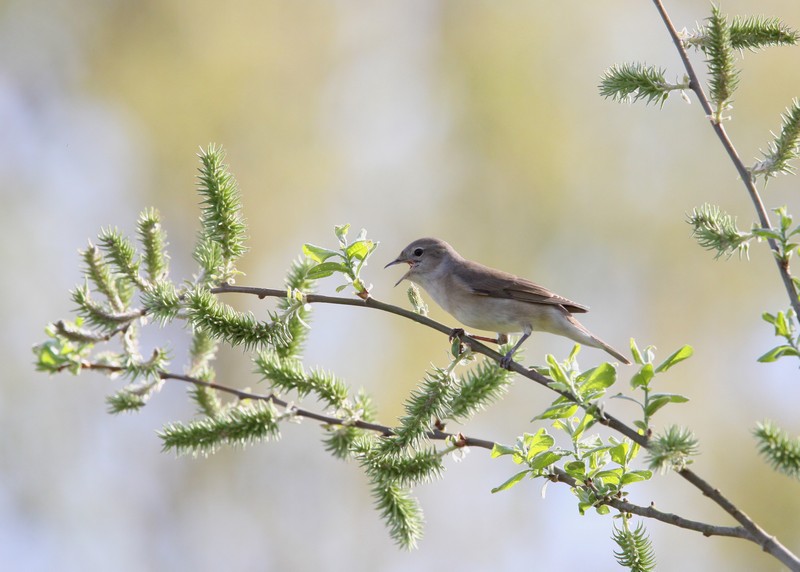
{"x": 477, "y": 122}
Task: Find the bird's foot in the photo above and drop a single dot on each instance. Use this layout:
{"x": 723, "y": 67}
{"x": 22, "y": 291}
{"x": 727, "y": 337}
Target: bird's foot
{"x": 507, "y": 360}
{"x": 456, "y": 333}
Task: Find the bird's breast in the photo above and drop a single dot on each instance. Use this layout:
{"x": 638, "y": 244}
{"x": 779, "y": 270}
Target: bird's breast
{"x": 475, "y": 311}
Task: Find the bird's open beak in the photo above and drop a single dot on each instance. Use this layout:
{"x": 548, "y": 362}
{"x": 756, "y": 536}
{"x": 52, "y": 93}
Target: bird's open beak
{"x": 398, "y": 261}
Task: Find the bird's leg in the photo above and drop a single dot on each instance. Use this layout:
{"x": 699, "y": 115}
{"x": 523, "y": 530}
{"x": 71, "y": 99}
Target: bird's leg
{"x": 460, "y": 333}
{"x": 505, "y": 361}
{"x": 499, "y": 340}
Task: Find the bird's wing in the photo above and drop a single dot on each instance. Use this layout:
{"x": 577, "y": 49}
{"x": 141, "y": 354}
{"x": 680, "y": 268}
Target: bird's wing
{"x": 497, "y": 284}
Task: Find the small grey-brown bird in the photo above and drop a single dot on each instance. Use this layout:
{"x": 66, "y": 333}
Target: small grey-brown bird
{"x": 488, "y": 299}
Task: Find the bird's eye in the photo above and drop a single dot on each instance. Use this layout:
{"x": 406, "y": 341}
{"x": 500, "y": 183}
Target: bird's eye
{"x": 418, "y": 252}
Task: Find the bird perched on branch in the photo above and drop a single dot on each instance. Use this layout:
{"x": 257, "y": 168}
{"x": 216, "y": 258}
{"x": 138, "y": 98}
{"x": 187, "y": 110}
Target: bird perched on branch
{"x": 488, "y": 299}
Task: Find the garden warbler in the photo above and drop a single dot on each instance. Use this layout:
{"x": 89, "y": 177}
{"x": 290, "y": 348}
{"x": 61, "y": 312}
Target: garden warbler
{"x": 488, "y": 299}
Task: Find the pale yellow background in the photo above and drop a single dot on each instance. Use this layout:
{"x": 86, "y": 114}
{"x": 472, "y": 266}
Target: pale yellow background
{"x": 475, "y": 121}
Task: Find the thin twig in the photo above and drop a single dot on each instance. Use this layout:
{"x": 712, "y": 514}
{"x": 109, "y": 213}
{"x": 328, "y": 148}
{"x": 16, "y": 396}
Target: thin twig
{"x": 767, "y": 542}
{"x": 744, "y": 174}
{"x": 623, "y": 505}
{"x": 458, "y": 438}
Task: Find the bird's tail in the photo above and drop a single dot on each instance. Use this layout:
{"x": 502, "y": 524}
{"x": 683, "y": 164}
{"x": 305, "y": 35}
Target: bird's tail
{"x": 602, "y": 345}
{"x": 591, "y": 340}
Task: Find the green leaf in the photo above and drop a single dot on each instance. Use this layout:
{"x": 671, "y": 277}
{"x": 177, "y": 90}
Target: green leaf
{"x": 610, "y": 477}
{"x": 360, "y": 249}
{"x": 643, "y": 376}
{"x": 671, "y": 397}
{"x": 637, "y": 355}
{"x": 659, "y": 400}
{"x": 325, "y": 269}
{"x": 597, "y": 379}
{"x": 559, "y": 386}
{"x": 499, "y": 450}
{"x": 537, "y": 442}
{"x": 556, "y": 371}
{"x": 511, "y": 482}
{"x": 576, "y": 469}
{"x": 654, "y": 404}
{"x": 777, "y": 353}
{"x": 545, "y": 459}
{"x": 781, "y": 327}
{"x": 636, "y": 476}
{"x": 341, "y": 232}
{"x": 602, "y": 509}
{"x": 558, "y": 411}
{"x": 586, "y": 422}
{"x": 684, "y": 353}
{"x": 619, "y": 453}
{"x": 318, "y": 253}
{"x": 767, "y": 233}
{"x": 626, "y": 398}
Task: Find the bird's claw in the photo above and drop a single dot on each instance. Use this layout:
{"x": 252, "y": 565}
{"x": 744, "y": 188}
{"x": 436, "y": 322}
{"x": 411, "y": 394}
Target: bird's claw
{"x": 456, "y": 333}
{"x": 506, "y": 361}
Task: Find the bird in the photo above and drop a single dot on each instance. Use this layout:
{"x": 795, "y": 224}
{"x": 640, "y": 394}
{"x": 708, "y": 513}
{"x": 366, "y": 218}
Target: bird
{"x": 488, "y": 299}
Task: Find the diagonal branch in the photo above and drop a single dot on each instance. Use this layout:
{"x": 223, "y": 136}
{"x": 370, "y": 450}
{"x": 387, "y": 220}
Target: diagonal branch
{"x": 474, "y": 345}
{"x": 744, "y": 174}
{"x": 754, "y": 532}
{"x": 767, "y": 542}
{"x": 459, "y": 440}
{"x": 669, "y": 518}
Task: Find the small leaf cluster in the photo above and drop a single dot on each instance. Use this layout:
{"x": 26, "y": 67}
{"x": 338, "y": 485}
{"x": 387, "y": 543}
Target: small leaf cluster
{"x": 716, "y": 231}
{"x": 599, "y": 469}
{"x": 577, "y": 389}
{"x": 784, "y": 236}
{"x": 750, "y": 33}
{"x": 223, "y": 232}
{"x": 348, "y": 260}
{"x": 241, "y": 425}
{"x": 633, "y": 82}
{"x": 786, "y": 328}
{"x": 724, "y": 77}
{"x": 106, "y": 309}
{"x": 642, "y": 381}
{"x": 719, "y": 39}
{"x": 396, "y": 462}
{"x": 781, "y": 451}
{"x": 672, "y": 449}
{"x": 127, "y": 283}
{"x": 635, "y": 547}
{"x": 783, "y": 148}
{"x": 220, "y": 321}
{"x": 67, "y": 348}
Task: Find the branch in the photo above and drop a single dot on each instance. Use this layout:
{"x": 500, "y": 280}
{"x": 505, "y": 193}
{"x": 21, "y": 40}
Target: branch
{"x": 474, "y": 345}
{"x": 744, "y": 174}
{"x": 459, "y": 440}
{"x": 651, "y": 512}
{"x": 768, "y": 543}
{"x": 754, "y": 532}
{"x": 679, "y": 521}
